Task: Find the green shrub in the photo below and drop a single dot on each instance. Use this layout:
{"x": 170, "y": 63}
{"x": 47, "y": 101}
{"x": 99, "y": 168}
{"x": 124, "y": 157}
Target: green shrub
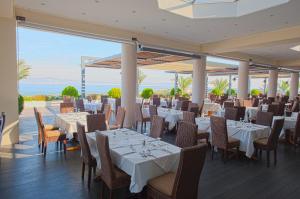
{"x": 147, "y": 93}
{"x": 114, "y": 93}
{"x": 231, "y": 92}
{"x": 186, "y": 95}
{"x": 70, "y": 91}
{"x": 216, "y": 91}
{"x": 255, "y": 92}
{"x": 20, "y": 104}
{"x": 173, "y": 93}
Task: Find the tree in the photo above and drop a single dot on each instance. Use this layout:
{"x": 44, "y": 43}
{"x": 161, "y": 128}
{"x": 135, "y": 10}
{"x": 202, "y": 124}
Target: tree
{"x": 220, "y": 85}
{"x": 284, "y": 87}
{"x": 24, "y": 70}
{"x": 184, "y": 83}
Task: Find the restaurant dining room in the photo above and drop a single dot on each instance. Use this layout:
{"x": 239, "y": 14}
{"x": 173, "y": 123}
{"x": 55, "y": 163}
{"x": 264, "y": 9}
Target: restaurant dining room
{"x": 154, "y": 99}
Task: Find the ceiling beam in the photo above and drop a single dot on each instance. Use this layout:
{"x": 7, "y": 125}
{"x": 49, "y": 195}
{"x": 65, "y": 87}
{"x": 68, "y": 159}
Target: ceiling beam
{"x": 280, "y": 36}
{"x": 290, "y": 63}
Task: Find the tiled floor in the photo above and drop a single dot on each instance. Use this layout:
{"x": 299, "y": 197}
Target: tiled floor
{"x": 24, "y": 173}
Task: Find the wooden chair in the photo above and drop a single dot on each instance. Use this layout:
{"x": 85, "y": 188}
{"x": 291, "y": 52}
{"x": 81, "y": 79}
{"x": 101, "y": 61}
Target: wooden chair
{"x": 188, "y": 117}
{"x": 186, "y": 134}
{"x": 157, "y": 126}
{"x": 231, "y": 114}
{"x": 86, "y": 156}
{"x": 241, "y": 112}
{"x": 193, "y": 107}
{"x": 270, "y": 143}
{"x": 112, "y": 177}
{"x": 293, "y": 135}
{"x": 107, "y": 113}
{"x": 220, "y": 138}
{"x": 152, "y": 111}
{"x": 139, "y": 117}
{"x": 201, "y": 108}
{"x": 66, "y": 107}
{"x": 96, "y": 122}
{"x": 295, "y": 107}
{"x": 228, "y": 104}
{"x": 178, "y": 105}
{"x": 281, "y": 108}
{"x": 117, "y": 104}
{"x": 273, "y": 108}
{"x": 255, "y": 102}
{"x": 49, "y": 136}
{"x": 183, "y": 183}
{"x": 48, "y": 127}
{"x": 156, "y": 101}
{"x": 271, "y": 100}
{"x": 120, "y": 117}
{"x": 264, "y": 118}
{"x": 2, "y": 124}
{"x": 80, "y": 105}
{"x": 184, "y": 105}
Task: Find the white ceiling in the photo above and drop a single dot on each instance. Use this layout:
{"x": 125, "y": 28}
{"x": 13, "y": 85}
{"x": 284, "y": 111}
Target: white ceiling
{"x": 145, "y": 16}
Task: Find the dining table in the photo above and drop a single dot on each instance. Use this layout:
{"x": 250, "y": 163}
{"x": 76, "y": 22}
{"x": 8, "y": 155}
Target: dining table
{"x": 245, "y": 132}
{"x": 68, "y": 122}
{"x": 92, "y": 106}
{"x": 171, "y": 116}
{"x": 138, "y": 155}
{"x": 211, "y": 106}
{"x": 289, "y": 122}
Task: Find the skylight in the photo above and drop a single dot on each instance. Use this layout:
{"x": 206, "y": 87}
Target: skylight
{"x": 217, "y": 8}
{"x": 296, "y": 48}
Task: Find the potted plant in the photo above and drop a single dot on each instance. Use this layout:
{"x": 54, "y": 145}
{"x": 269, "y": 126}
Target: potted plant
{"x": 114, "y": 93}
{"x": 70, "y": 92}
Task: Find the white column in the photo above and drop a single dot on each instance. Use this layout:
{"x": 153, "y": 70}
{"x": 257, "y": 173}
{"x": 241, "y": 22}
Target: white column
{"x": 272, "y": 83}
{"x": 294, "y": 84}
{"x": 199, "y": 79}
{"x": 243, "y": 81}
{"x": 8, "y": 73}
{"x": 128, "y": 81}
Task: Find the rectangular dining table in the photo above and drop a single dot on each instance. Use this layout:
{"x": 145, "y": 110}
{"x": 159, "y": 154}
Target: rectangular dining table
{"x": 67, "y": 122}
{"x": 140, "y": 156}
{"x": 245, "y": 132}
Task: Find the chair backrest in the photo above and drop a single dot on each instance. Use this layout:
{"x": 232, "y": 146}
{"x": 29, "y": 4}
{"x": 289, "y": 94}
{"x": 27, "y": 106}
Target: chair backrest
{"x": 107, "y": 112}
{"x": 231, "y": 114}
{"x": 185, "y": 105}
{"x": 117, "y": 103}
{"x": 186, "y": 134}
{"x": 2, "y": 124}
{"x": 68, "y": 99}
{"x": 96, "y": 122}
{"x": 189, "y": 171}
{"x": 85, "y": 149}
{"x": 273, "y": 108}
{"x": 157, "y": 126}
{"x": 193, "y": 107}
{"x": 297, "y": 127}
{"x": 104, "y": 99}
{"x": 120, "y": 117}
{"x": 241, "y": 112}
{"x": 237, "y": 103}
{"x": 295, "y": 107}
{"x": 188, "y": 117}
{"x": 66, "y": 107}
{"x": 138, "y": 112}
{"x": 107, "y": 168}
{"x": 274, "y": 136}
{"x": 152, "y": 110}
{"x": 247, "y": 103}
{"x": 80, "y": 105}
{"x": 281, "y": 108}
{"x": 219, "y": 132}
{"x": 41, "y": 127}
{"x": 264, "y": 118}
{"x": 255, "y": 102}
{"x": 228, "y": 104}
{"x": 271, "y": 100}
{"x": 201, "y": 108}
{"x": 38, "y": 125}
{"x": 156, "y": 101}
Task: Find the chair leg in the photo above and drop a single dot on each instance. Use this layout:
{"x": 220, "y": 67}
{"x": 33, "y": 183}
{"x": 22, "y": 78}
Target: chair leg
{"x": 256, "y": 152}
{"x": 212, "y": 152}
{"x": 45, "y": 149}
{"x": 237, "y": 152}
{"x": 141, "y": 127}
{"x": 225, "y": 156}
{"x": 94, "y": 170}
{"x": 42, "y": 147}
{"x": 65, "y": 146}
{"x": 110, "y": 194}
{"x": 89, "y": 177}
{"x": 268, "y": 158}
{"x": 275, "y": 156}
{"x": 260, "y": 154}
{"x": 82, "y": 170}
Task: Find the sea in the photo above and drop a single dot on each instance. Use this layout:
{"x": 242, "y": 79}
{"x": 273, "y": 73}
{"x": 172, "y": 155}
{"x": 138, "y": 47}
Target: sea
{"x": 56, "y": 89}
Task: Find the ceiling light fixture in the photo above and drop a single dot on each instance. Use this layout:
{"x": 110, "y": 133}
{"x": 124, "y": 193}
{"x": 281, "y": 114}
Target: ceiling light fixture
{"x": 216, "y": 8}
{"x": 296, "y": 48}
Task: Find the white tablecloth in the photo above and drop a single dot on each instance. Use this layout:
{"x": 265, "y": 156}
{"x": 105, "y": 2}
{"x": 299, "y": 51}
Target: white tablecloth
{"x": 112, "y": 102}
{"x": 289, "y": 122}
{"x": 170, "y": 115}
{"x": 67, "y": 122}
{"x": 215, "y": 107}
{"x": 92, "y": 106}
{"x": 126, "y": 148}
{"x": 245, "y": 132}
{"x": 250, "y": 113}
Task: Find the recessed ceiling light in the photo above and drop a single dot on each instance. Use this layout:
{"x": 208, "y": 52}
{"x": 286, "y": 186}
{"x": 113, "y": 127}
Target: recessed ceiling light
{"x": 133, "y": 12}
{"x": 235, "y": 24}
{"x": 166, "y": 32}
{"x": 163, "y": 19}
{"x": 97, "y": 1}
{"x": 43, "y": 4}
{"x": 296, "y": 48}
{"x": 271, "y": 15}
{"x": 117, "y": 21}
{"x": 83, "y": 13}
{"x": 144, "y": 27}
